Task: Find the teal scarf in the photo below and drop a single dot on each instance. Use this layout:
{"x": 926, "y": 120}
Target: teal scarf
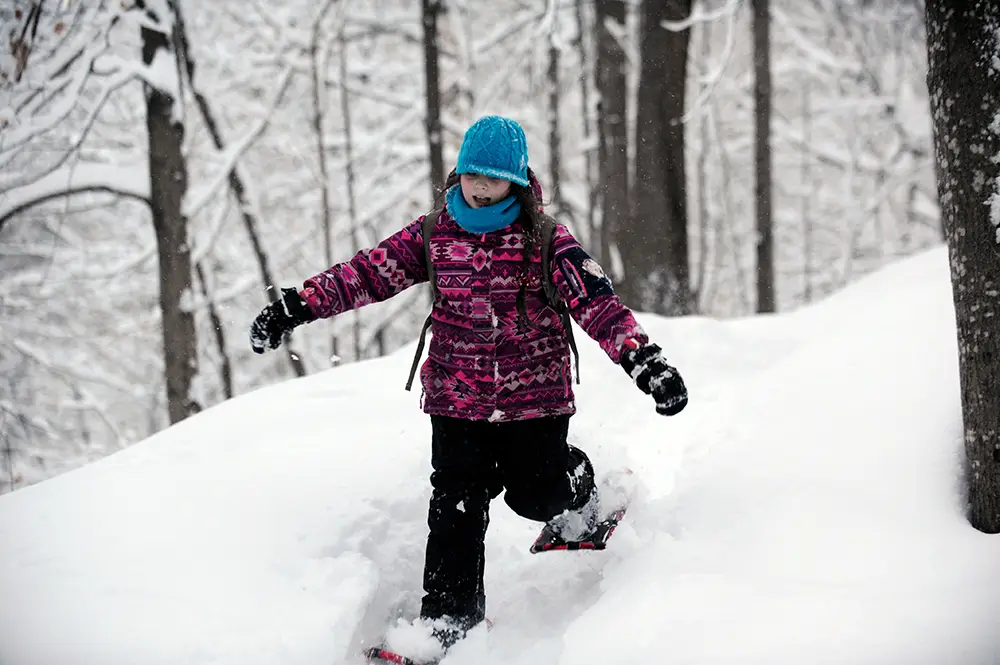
{"x": 482, "y": 220}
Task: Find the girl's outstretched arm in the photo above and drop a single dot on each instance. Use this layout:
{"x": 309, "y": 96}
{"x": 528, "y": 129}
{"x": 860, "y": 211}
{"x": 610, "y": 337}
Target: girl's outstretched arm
{"x": 595, "y": 307}
{"x": 592, "y": 302}
{"x": 373, "y": 275}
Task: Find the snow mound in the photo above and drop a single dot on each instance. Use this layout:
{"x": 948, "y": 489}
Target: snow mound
{"x": 805, "y": 508}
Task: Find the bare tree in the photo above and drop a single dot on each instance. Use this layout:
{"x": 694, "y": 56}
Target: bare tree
{"x": 430, "y": 10}
{"x": 585, "y": 54}
{"x": 163, "y": 43}
{"x": 552, "y": 76}
{"x": 238, "y": 184}
{"x": 699, "y": 285}
{"x": 351, "y": 177}
{"x": 64, "y": 70}
{"x": 219, "y": 330}
{"x": 762, "y": 155}
{"x": 317, "y": 62}
{"x": 807, "y": 193}
{"x": 654, "y": 242}
{"x": 610, "y": 72}
{"x": 867, "y": 167}
{"x": 73, "y": 73}
{"x": 317, "y": 66}
{"x": 963, "y": 37}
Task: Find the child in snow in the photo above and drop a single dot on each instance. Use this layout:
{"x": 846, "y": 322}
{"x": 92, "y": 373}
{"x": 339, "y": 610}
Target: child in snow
{"x": 497, "y": 380}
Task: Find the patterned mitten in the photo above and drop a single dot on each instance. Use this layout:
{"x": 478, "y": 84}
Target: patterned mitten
{"x": 650, "y": 371}
{"x": 278, "y": 319}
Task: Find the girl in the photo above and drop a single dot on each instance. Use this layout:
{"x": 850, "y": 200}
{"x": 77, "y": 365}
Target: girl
{"x": 496, "y": 382}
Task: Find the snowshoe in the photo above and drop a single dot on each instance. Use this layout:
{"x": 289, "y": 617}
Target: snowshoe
{"x": 614, "y": 493}
{"x": 382, "y": 654}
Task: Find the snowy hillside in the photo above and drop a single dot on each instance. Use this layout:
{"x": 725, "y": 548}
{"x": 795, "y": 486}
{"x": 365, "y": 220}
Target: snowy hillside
{"x": 805, "y": 508}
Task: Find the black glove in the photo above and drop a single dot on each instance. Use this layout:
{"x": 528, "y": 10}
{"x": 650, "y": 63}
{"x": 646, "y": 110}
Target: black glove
{"x": 650, "y": 371}
{"x": 278, "y": 319}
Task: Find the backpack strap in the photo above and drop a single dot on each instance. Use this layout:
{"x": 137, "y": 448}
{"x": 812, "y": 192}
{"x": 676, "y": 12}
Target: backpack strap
{"x": 426, "y": 228}
{"x": 547, "y": 234}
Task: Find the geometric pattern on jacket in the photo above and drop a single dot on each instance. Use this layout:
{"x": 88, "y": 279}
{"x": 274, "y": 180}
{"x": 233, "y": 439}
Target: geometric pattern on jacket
{"x": 482, "y": 363}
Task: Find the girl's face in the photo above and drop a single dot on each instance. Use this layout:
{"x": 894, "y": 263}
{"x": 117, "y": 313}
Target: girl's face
{"x": 482, "y": 190}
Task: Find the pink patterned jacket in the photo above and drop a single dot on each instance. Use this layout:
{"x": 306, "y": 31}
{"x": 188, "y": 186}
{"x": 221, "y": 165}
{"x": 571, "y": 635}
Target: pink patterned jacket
{"x": 482, "y": 363}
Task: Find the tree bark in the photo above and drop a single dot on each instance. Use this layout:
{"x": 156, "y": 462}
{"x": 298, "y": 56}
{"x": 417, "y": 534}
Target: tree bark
{"x": 352, "y": 205}
{"x": 612, "y": 124}
{"x": 318, "y": 89}
{"x": 318, "y": 94}
{"x": 964, "y": 84}
{"x": 654, "y": 242}
{"x": 584, "y": 53}
{"x": 807, "y": 194}
{"x": 432, "y": 83}
{"x": 699, "y": 286}
{"x": 168, "y": 185}
{"x": 225, "y": 364}
{"x": 555, "y": 161}
{"x": 766, "y": 300}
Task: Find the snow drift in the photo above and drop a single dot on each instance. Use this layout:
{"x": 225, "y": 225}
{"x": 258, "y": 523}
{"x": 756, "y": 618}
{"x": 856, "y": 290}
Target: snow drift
{"x": 805, "y": 508}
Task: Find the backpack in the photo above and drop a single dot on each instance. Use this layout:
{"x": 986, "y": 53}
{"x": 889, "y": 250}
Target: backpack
{"x": 547, "y": 232}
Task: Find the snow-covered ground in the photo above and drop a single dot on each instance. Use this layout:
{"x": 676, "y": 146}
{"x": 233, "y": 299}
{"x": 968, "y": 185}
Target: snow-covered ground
{"x": 805, "y": 508}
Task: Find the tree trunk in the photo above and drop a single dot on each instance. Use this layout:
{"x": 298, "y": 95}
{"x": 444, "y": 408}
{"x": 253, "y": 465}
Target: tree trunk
{"x": 654, "y": 242}
{"x": 168, "y": 185}
{"x": 318, "y": 93}
{"x": 964, "y": 85}
{"x": 587, "y": 115}
{"x": 318, "y": 88}
{"x": 762, "y": 155}
{"x": 612, "y": 123}
{"x": 699, "y": 286}
{"x": 555, "y": 162}
{"x": 432, "y": 84}
{"x": 807, "y": 193}
{"x": 352, "y": 205}
{"x": 225, "y": 364}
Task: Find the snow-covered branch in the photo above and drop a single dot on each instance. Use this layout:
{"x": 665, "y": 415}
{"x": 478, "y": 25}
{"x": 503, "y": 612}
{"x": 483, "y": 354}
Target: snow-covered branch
{"x": 710, "y": 82}
{"x": 123, "y": 180}
{"x": 809, "y": 49}
{"x": 57, "y": 78}
{"x": 231, "y": 156}
{"x": 93, "y": 376}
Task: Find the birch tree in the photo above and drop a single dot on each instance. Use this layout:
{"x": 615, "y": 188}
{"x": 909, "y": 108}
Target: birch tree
{"x": 963, "y": 42}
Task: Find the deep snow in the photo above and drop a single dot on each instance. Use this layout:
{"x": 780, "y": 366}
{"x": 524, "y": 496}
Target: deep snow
{"x": 805, "y": 508}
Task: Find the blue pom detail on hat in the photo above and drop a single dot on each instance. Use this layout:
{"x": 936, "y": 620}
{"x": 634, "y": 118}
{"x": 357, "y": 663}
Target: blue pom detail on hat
{"x": 495, "y": 146}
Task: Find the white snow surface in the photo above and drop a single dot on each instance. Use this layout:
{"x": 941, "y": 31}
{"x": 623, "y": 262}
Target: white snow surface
{"x": 806, "y": 508}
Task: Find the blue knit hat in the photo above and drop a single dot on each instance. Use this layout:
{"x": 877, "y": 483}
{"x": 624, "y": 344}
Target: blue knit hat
{"x": 497, "y": 147}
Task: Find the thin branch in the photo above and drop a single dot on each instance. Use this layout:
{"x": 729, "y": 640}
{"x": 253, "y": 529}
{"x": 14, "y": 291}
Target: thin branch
{"x": 233, "y": 155}
{"x": 103, "y": 178}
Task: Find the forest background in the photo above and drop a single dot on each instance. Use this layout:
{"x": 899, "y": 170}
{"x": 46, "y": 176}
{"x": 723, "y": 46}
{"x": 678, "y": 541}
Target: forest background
{"x": 162, "y": 163}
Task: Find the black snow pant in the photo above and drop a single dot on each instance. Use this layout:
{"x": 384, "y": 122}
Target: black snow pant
{"x": 473, "y": 462}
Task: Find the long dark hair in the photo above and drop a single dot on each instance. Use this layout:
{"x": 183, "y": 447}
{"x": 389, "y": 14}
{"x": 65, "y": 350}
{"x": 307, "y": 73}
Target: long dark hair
{"x": 531, "y": 210}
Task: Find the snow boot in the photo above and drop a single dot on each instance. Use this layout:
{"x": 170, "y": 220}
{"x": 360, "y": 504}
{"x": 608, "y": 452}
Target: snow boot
{"x": 580, "y": 519}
